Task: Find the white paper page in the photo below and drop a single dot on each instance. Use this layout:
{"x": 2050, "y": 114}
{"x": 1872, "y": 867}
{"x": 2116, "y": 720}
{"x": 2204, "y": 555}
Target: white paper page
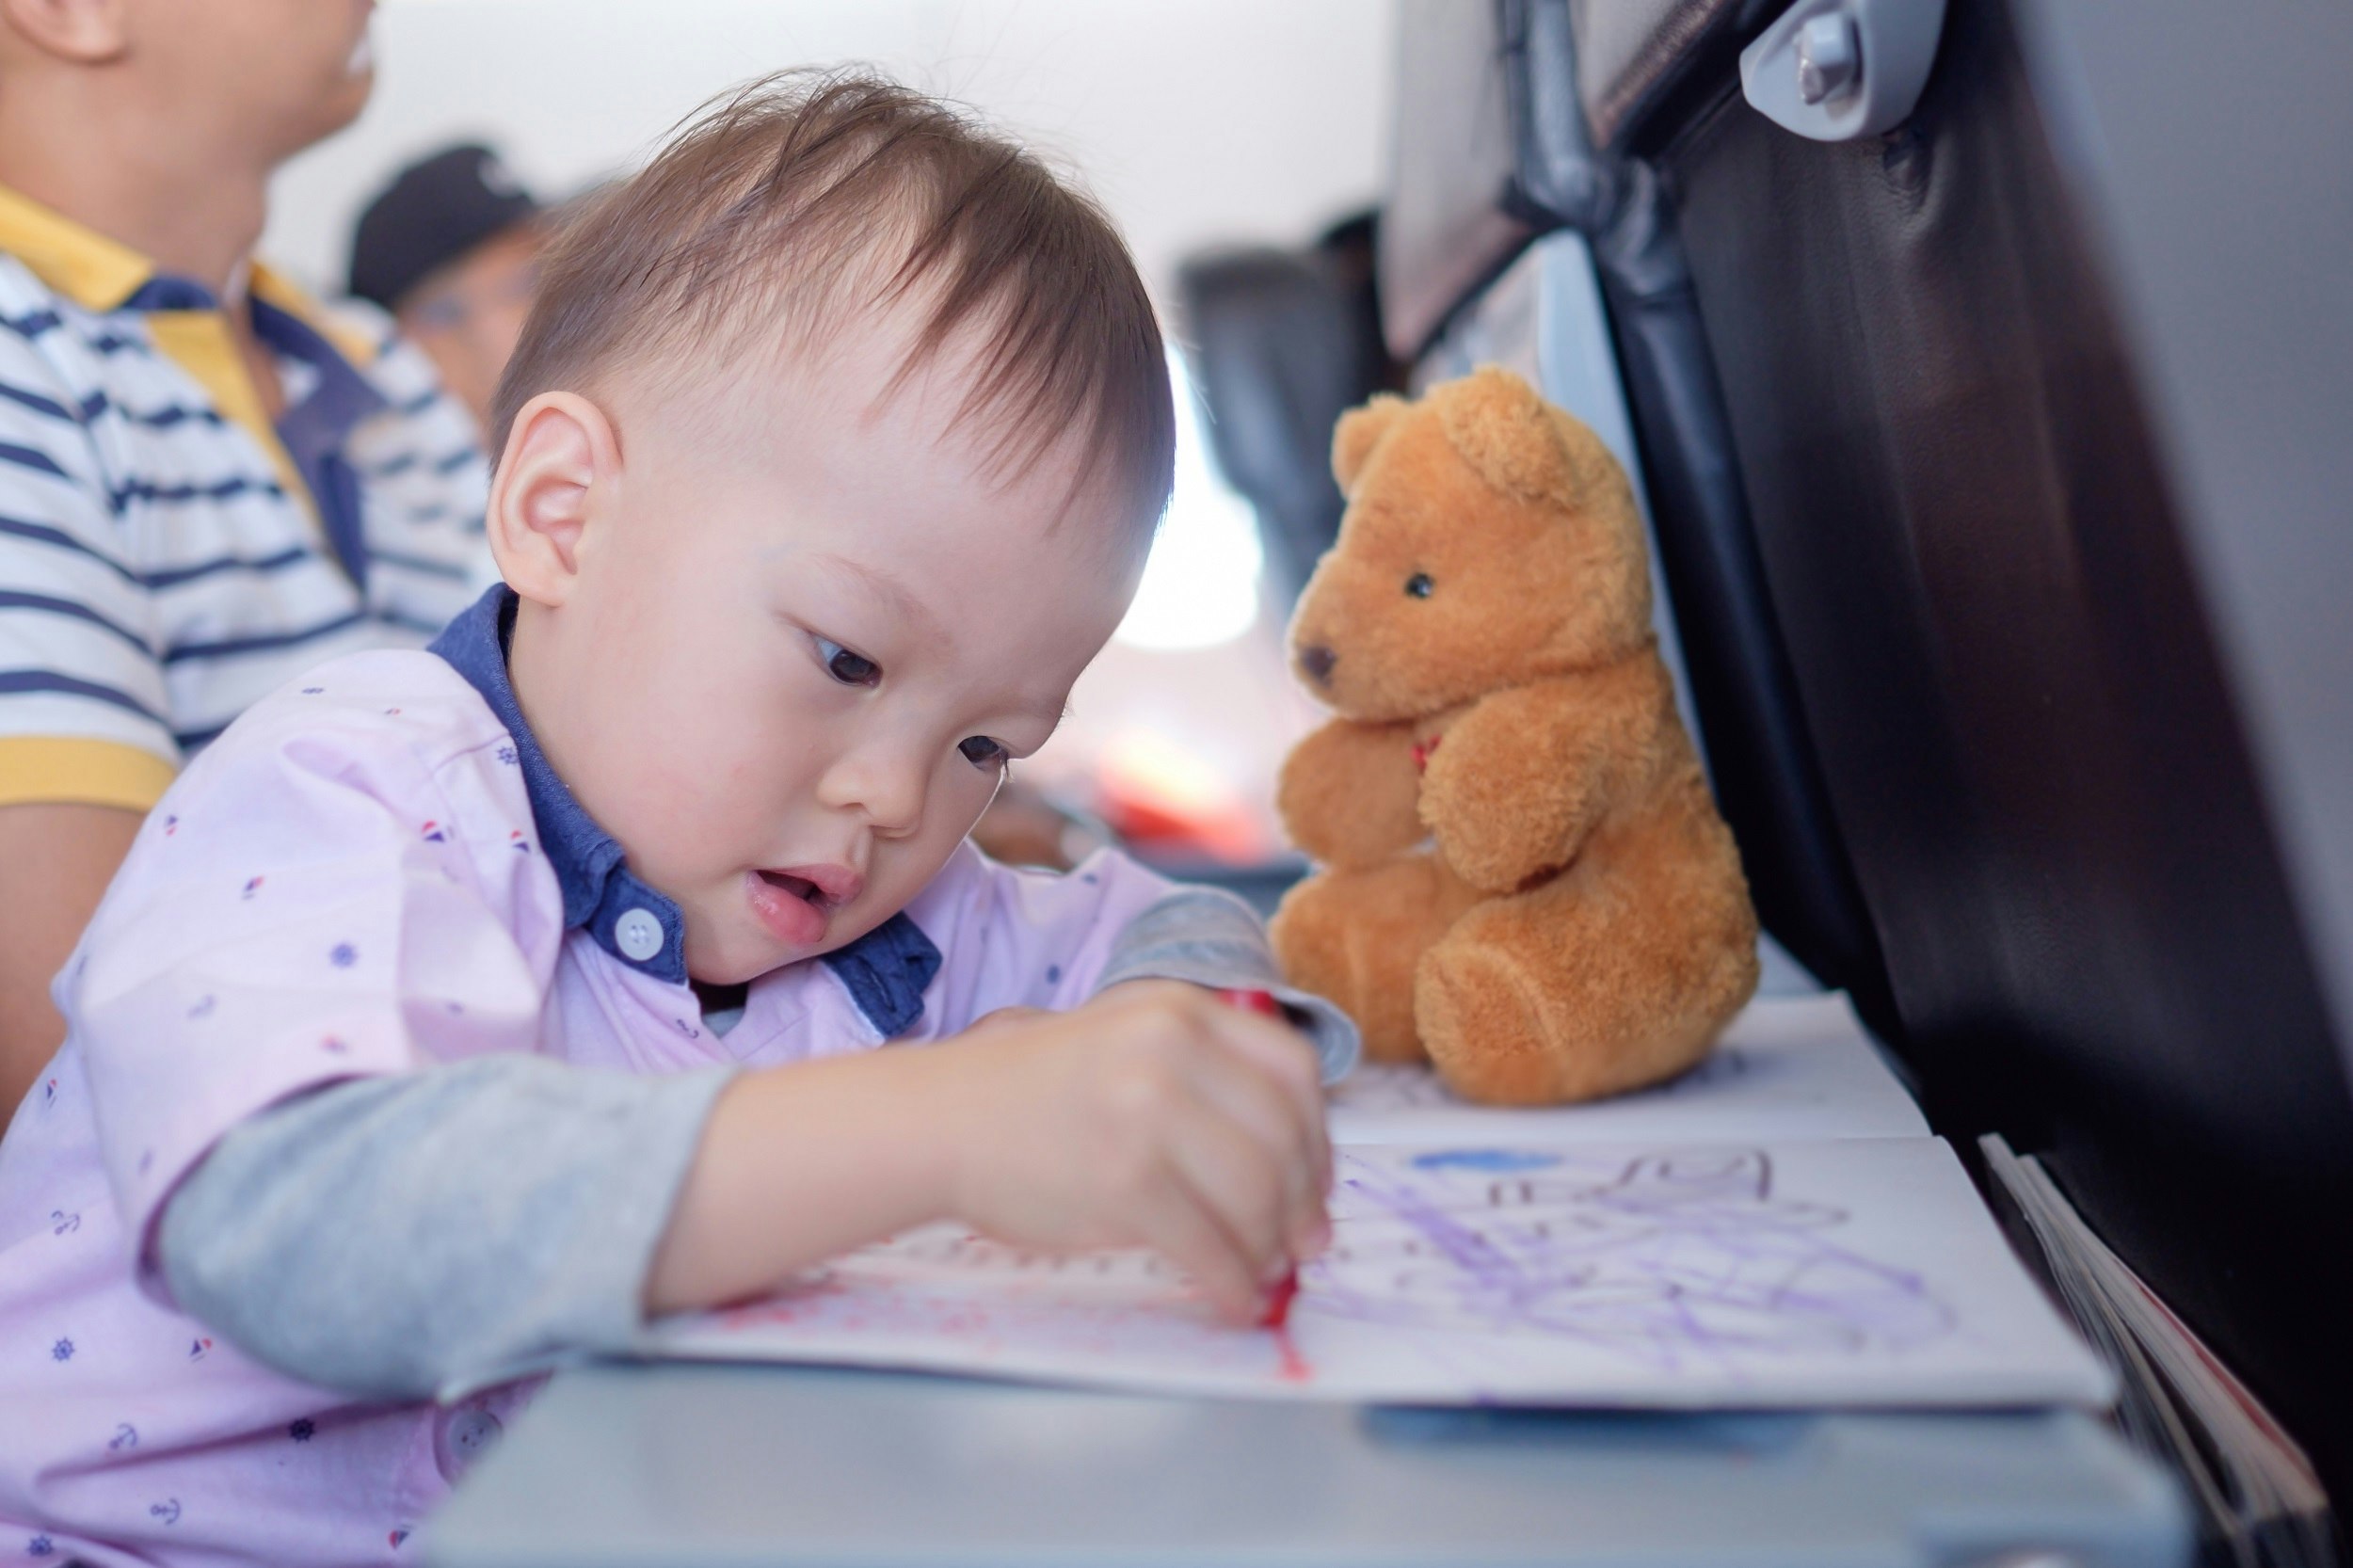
{"x": 1788, "y": 1069}
{"x": 1857, "y": 1272}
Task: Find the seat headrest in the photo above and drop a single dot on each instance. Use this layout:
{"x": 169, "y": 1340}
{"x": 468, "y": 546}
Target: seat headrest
{"x": 1282, "y": 342}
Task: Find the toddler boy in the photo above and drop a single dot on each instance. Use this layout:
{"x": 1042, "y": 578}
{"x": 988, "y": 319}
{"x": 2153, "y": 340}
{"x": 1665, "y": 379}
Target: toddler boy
{"x": 460, "y": 1007}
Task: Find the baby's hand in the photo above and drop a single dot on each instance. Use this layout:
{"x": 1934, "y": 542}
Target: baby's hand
{"x": 1156, "y": 1116}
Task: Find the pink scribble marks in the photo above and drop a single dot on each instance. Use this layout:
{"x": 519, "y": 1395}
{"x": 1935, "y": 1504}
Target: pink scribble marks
{"x": 945, "y": 1298}
{"x": 1289, "y": 1364}
{"x": 1276, "y": 1320}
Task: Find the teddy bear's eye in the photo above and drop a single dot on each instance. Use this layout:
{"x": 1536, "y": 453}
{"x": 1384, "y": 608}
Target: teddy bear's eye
{"x": 1419, "y": 585}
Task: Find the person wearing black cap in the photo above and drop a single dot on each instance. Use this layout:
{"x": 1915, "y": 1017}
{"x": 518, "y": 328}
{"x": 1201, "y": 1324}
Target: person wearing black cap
{"x": 451, "y": 248}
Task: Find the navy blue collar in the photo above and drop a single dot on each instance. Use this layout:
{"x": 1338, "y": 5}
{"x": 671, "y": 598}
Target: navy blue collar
{"x": 886, "y": 971}
{"x": 315, "y": 430}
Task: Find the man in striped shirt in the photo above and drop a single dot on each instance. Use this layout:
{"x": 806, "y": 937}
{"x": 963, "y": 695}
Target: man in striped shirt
{"x": 207, "y": 484}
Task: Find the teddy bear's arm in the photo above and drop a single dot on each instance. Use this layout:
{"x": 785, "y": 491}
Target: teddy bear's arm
{"x": 1523, "y": 777}
{"x": 1347, "y": 794}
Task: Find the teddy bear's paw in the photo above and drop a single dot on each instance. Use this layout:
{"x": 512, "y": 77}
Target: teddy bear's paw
{"x": 1353, "y": 937}
{"x": 1347, "y": 792}
{"x": 1508, "y": 1023}
{"x": 1500, "y": 858}
{"x": 1324, "y": 948}
{"x": 1483, "y": 1025}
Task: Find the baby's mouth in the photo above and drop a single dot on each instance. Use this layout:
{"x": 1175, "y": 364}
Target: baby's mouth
{"x": 821, "y": 885}
{"x": 799, "y": 886}
{"x": 797, "y": 905}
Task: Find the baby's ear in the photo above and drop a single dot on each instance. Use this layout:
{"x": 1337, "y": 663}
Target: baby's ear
{"x": 1506, "y": 433}
{"x": 561, "y": 463}
{"x": 1358, "y": 432}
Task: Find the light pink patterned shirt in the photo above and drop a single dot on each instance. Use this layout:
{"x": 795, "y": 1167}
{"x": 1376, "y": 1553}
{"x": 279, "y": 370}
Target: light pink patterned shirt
{"x": 351, "y": 883}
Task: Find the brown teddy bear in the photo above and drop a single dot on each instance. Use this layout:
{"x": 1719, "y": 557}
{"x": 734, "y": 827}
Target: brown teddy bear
{"x": 1525, "y": 876}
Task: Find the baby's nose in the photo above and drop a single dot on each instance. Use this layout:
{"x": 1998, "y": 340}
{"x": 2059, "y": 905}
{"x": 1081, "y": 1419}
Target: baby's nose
{"x": 1318, "y": 660}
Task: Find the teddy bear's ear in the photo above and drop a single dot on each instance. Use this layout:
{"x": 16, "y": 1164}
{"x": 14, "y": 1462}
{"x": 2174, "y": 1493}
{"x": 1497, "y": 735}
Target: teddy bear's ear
{"x": 1505, "y": 431}
{"x": 1358, "y": 432}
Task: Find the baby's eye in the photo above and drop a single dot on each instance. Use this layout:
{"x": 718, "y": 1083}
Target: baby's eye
{"x": 851, "y": 669}
{"x": 982, "y": 752}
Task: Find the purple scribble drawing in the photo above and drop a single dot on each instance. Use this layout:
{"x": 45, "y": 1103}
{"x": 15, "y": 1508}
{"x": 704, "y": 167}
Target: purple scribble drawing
{"x": 1674, "y": 1260}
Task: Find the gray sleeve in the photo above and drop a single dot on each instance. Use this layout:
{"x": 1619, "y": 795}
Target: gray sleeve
{"x": 393, "y": 1237}
{"x": 1210, "y": 937}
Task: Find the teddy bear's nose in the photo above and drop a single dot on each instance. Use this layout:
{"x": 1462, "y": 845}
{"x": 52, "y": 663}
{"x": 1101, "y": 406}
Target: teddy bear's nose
{"x": 1318, "y": 660}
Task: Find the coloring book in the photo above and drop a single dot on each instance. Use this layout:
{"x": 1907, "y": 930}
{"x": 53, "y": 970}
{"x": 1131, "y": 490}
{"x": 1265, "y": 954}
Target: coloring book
{"x": 1633, "y": 1253}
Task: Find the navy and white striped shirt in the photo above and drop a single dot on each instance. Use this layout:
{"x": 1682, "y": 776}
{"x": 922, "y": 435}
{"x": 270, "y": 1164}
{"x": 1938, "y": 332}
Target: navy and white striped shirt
{"x": 167, "y": 553}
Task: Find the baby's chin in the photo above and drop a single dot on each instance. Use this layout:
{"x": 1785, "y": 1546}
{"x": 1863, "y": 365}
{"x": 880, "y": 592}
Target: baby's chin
{"x": 738, "y": 945}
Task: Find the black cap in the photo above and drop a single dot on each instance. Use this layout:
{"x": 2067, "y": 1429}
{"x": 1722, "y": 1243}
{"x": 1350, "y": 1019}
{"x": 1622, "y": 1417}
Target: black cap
{"x": 433, "y": 212}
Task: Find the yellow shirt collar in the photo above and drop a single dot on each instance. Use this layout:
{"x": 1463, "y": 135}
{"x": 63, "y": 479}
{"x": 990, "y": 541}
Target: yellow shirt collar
{"x": 99, "y": 274}
{"x": 93, "y": 271}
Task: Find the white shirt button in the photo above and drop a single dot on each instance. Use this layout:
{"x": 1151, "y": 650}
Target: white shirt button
{"x": 638, "y": 934}
{"x": 460, "y": 1436}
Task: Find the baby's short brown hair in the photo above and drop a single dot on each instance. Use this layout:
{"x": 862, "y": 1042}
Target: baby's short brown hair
{"x": 789, "y": 204}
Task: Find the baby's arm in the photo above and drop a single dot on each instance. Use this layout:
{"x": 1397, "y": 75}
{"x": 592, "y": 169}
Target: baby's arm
{"x": 1158, "y": 1117}
{"x": 396, "y": 1235}
{"x": 1149, "y": 1114}
{"x": 393, "y": 1236}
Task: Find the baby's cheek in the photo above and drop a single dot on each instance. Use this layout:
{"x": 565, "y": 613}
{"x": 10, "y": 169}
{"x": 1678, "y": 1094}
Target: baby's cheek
{"x": 690, "y": 822}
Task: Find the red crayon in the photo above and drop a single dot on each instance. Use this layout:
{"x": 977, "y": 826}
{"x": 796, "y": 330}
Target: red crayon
{"x": 1278, "y": 1301}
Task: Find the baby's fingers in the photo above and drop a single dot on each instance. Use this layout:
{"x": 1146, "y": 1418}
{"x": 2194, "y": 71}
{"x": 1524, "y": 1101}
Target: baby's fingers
{"x": 1247, "y": 1189}
{"x": 1181, "y": 1228}
{"x": 1282, "y": 1057}
{"x": 1288, "y": 1140}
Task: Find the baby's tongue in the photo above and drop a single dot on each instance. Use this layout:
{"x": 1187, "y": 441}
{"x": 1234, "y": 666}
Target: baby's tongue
{"x": 799, "y": 886}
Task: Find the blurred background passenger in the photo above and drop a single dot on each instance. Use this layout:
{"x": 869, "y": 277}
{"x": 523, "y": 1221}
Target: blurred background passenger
{"x": 451, "y": 247}
{"x": 208, "y": 482}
